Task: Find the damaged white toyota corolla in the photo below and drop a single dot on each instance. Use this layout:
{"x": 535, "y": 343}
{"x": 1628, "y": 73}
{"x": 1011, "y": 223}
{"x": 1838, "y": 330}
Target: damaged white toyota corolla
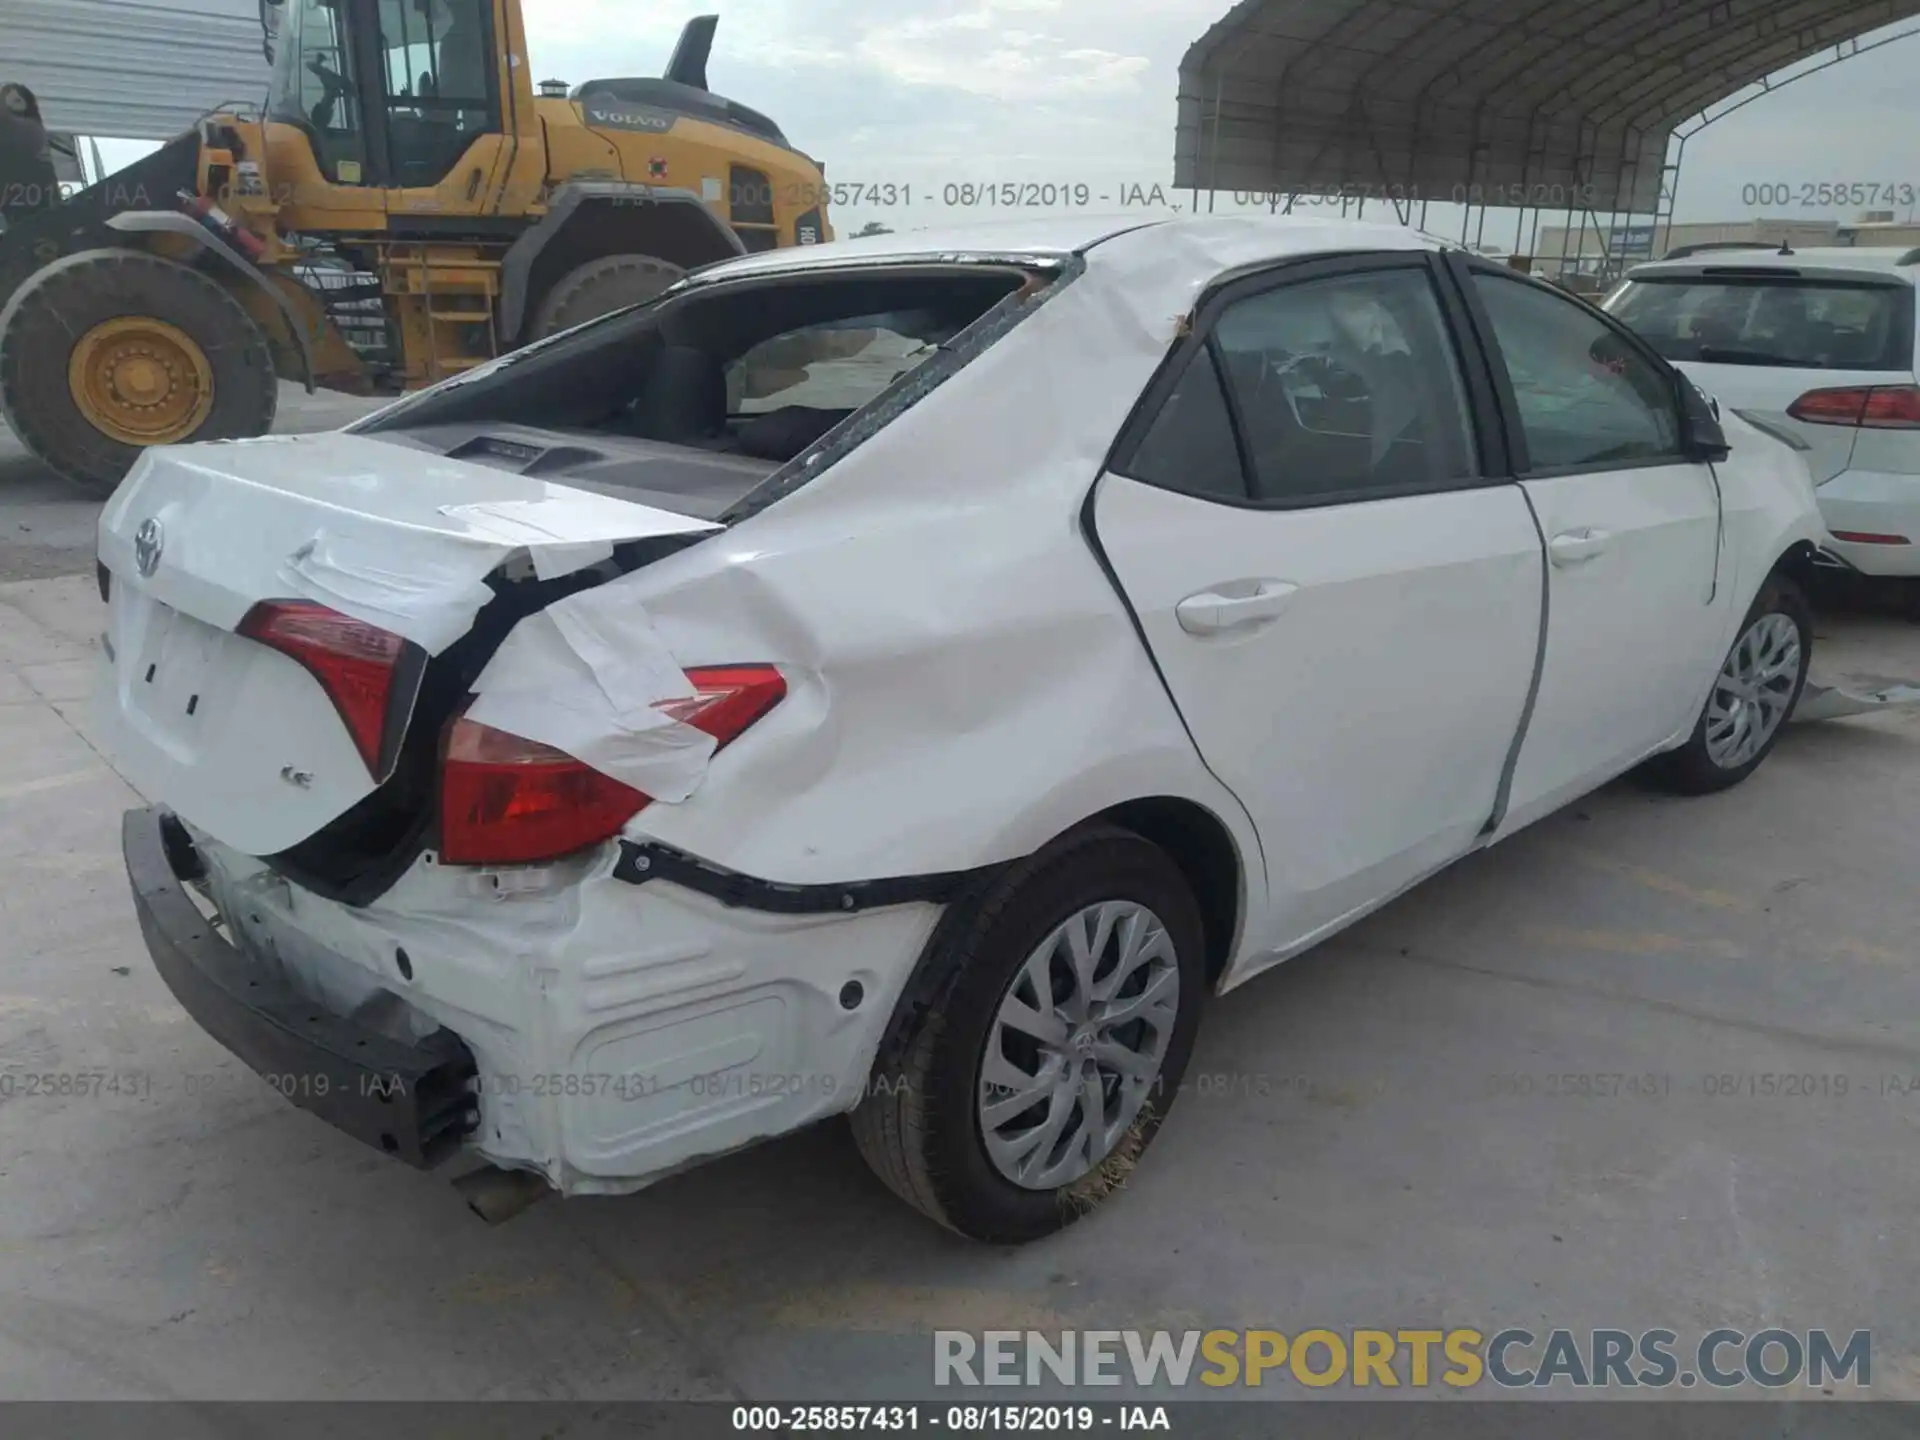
{"x": 907, "y": 678}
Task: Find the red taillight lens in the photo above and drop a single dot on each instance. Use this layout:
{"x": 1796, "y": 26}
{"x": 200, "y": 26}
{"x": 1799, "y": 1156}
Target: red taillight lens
{"x": 355, "y": 663}
{"x": 1874, "y": 407}
{"x": 1893, "y": 407}
{"x": 509, "y": 801}
{"x": 727, "y": 699}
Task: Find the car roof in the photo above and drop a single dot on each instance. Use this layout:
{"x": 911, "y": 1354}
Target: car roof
{"x": 1219, "y": 241}
{"x": 1878, "y": 262}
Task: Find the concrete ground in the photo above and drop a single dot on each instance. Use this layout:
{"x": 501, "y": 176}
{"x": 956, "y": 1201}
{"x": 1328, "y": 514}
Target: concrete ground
{"x": 1373, "y": 1135}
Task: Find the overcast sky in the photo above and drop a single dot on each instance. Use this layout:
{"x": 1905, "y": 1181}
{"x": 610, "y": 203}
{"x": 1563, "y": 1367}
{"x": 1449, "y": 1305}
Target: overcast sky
{"x": 924, "y": 92}
{"x": 921, "y": 93}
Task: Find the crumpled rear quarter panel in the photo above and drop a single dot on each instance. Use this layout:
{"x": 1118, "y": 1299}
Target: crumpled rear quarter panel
{"x": 964, "y": 682}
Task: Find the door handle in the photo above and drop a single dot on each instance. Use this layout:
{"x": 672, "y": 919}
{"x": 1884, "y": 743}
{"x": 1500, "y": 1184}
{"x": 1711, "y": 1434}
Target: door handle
{"x": 1234, "y": 605}
{"x": 1576, "y": 547}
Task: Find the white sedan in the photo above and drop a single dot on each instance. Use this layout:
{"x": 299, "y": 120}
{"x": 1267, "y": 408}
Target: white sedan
{"x": 907, "y": 677}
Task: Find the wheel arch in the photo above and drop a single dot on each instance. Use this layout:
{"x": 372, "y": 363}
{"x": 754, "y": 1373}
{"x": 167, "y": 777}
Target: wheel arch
{"x": 1797, "y": 563}
{"x": 235, "y": 272}
{"x": 589, "y": 220}
{"x": 1201, "y": 845}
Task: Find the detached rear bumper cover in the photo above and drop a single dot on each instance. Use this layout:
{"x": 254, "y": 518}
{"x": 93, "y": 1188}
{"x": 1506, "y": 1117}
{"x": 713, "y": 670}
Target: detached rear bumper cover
{"x": 410, "y": 1101}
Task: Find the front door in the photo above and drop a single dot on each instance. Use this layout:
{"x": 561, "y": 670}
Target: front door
{"x": 1637, "y": 600}
{"x": 1344, "y": 605}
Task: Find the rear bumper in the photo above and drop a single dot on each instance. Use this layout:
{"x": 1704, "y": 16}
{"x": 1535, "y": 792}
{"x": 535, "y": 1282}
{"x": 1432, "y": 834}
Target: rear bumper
{"x": 1872, "y": 503}
{"x": 410, "y": 1101}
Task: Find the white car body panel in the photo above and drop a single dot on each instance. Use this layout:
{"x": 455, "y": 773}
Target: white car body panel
{"x": 1401, "y": 738}
{"x": 215, "y": 725}
{"x": 1876, "y": 502}
{"x": 689, "y": 1028}
{"x": 964, "y": 684}
{"x": 1631, "y": 560}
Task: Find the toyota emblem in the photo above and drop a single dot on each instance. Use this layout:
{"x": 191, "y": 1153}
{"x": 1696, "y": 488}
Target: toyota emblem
{"x": 148, "y": 541}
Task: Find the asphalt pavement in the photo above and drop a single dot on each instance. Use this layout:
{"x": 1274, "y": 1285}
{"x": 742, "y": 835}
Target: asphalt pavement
{"x": 1389, "y": 1131}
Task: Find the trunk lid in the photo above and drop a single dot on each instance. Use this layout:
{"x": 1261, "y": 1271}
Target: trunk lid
{"x": 239, "y": 738}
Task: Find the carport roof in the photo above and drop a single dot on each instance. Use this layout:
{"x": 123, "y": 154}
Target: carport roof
{"x": 1499, "y": 102}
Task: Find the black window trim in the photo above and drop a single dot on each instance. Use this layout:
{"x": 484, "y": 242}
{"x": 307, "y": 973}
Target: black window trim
{"x": 1463, "y": 267}
{"x": 1486, "y": 430}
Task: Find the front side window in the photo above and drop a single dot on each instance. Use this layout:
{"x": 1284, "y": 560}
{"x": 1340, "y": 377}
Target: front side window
{"x": 1763, "y": 320}
{"x": 1347, "y": 387}
{"x": 1586, "y": 397}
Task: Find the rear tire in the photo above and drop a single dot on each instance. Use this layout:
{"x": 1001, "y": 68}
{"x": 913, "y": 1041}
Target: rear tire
{"x": 927, "y": 1126}
{"x": 600, "y": 287}
{"x": 159, "y": 353}
{"x": 1719, "y": 754}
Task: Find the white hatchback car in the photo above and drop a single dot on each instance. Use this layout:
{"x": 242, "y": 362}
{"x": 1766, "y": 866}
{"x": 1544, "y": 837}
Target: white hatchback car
{"x": 906, "y": 677}
{"x": 1817, "y": 346}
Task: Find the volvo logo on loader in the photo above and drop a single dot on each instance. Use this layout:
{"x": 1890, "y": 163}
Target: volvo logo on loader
{"x": 148, "y": 541}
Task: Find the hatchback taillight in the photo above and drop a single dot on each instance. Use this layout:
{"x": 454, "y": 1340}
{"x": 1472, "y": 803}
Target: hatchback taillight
{"x": 1870, "y": 407}
{"x": 360, "y": 666}
{"x": 505, "y": 800}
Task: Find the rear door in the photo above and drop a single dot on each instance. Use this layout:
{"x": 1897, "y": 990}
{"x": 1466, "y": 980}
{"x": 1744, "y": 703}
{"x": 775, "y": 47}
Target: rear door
{"x": 1342, "y": 595}
{"x": 1636, "y": 606}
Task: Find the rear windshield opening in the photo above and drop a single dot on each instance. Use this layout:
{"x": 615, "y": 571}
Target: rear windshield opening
{"x": 755, "y": 368}
{"x": 1790, "y": 321}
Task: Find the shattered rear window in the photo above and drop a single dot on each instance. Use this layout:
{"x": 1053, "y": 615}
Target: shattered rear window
{"x": 757, "y": 369}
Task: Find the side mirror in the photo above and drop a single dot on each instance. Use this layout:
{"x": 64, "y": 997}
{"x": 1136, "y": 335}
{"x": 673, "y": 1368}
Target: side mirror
{"x": 1701, "y": 435}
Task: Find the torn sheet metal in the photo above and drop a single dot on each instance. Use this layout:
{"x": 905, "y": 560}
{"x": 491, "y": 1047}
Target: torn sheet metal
{"x": 396, "y": 536}
{"x": 1834, "y": 702}
{"x": 428, "y": 595}
{"x": 589, "y": 679}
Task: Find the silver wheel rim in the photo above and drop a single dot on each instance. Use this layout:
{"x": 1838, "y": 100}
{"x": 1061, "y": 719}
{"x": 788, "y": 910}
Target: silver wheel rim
{"x": 1077, "y": 1044}
{"x": 1755, "y": 687}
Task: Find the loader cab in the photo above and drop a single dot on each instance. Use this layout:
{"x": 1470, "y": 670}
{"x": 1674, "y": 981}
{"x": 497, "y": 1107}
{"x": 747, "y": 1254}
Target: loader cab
{"x": 390, "y": 94}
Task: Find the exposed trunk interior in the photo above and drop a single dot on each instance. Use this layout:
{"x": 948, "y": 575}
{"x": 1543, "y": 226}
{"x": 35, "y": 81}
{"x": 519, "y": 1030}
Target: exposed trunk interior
{"x": 359, "y": 855}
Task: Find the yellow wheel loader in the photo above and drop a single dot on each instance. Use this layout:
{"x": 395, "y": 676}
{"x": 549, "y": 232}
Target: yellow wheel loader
{"x": 404, "y": 207}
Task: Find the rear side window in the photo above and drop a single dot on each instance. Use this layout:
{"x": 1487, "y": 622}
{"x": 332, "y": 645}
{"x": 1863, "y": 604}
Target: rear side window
{"x": 1791, "y": 321}
{"x": 1346, "y": 387}
{"x": 1191, "y": 446}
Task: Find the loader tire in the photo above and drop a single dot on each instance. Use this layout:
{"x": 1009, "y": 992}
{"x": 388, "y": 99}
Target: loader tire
{"x": 106, "y": 352}
{"x": 599, "y": 287}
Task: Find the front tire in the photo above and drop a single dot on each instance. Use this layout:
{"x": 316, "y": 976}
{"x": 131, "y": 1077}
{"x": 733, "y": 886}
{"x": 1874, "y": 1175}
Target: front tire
{"x": 106, "y": 352}
{"x": 1045, "y": 1042}
{"x": 1753, "y": 697}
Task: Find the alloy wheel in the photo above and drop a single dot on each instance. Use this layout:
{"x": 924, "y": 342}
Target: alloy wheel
{"x": 1077, "y": 1043}
{"x": 1753, "y": 691}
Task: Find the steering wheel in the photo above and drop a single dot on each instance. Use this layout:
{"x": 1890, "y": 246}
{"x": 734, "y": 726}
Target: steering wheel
{"x": 334, "y": 84}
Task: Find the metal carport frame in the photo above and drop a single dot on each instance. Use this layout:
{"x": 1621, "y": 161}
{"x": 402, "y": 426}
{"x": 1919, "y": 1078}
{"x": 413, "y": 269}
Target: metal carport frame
{"x": 1527, "y": 103}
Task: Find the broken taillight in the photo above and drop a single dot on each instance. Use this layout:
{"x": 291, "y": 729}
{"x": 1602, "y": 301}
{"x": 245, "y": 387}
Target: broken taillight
{"x": 505, "y": 800}
{"x": 357, "y": 664}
